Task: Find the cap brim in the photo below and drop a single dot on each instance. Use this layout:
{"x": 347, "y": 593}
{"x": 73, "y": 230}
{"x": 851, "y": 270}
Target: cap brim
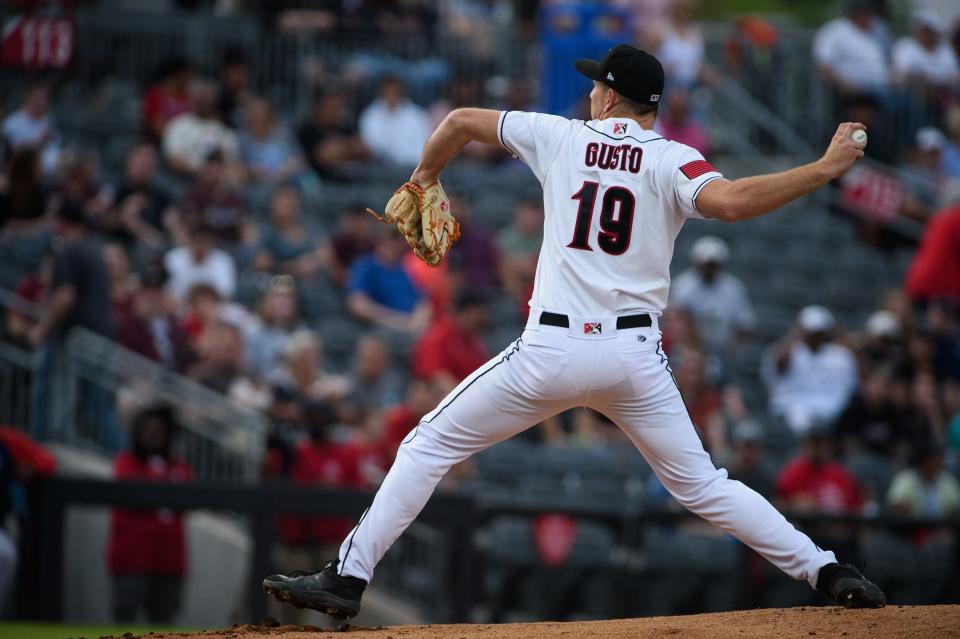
{"x": 589, "y": 68}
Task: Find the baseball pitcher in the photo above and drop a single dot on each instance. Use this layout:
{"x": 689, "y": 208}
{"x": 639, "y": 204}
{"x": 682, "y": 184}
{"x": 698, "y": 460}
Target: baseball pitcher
{"x": 615, "y": 197}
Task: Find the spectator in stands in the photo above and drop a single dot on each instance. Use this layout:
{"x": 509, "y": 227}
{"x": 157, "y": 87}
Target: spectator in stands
{"x": 810, "y": 377}
{"x": 79, "y": 289}
{"x": 927, "y": 423}
{"x": 717, "y": 300}
{"x": 421, "y": 397}
{"x": 319, "y": 460}
{"x": 200, "y": 262}
{"x": 434, "y": 282}
{"x": 31, "y": 126}
{"x": 215, "y": 202}
{"x": 123, "y": 282}
{"x": 922, "y": 174}
{"x": 934, "y": 272}
{"x": 204, "y": 307}
{"x": 23, "y": 201}
{"x": 266, "y": 147}
{"x": 677, "y": 123}
{"x": 374, "y": 386}
{"x": 147, "y": 549}
{"x": 234, "y": 93}
{"x": 875, "y": 420}
{"x": 393, "y": 127}
{"x": 678, "y": 43}
{"x": 747, "y": 460}
{"x": 452, "y": 346}
{"x": 148, "y": 326}
{"x": 302, "y": 371}
{"x": 380, "y": 291}
{"x": 926, "y": 489}
{"x": 329, "y": 139}
{"x": 166, "y": 99}
{"x": 191, "y": 137}
{"x": 222, "y": 366}
{"x": 925, "y": 58}
{"x": 78, "y": 180}
{"x": 882, "y": 343}
{"x": 143, "y": 212}
{"x": 519, "y": 246}
{"x": 78, "y": 297}
{"x": 31, "y": 288}
{"x": 814, "y": 482}
{"x": 848, "y": 53}
{"x": 286, "y": 246}
{"x": 276, "y": 323}
{"x": 355, "y": 238}
{"x": 475, "y": 259}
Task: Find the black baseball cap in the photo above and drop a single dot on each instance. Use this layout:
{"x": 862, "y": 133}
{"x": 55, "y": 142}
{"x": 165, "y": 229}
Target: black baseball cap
{"x": 631, "y": 72}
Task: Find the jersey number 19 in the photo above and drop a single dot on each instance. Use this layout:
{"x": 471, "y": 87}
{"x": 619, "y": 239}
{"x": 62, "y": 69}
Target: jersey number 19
{"x": 616, "y": 218}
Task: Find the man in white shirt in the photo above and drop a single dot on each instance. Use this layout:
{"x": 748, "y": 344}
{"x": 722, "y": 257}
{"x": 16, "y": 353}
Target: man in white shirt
{"x": 190, "y": 138}
{"x": 717, "y": 300}
{"x": 393, "y": 127}
{"x": 848, "y": 53}
{"x": 200, "y": 262}
{"x": 32, "y": 126}
{"x": 925, "y": 56}
{"x": 809, "y": 377}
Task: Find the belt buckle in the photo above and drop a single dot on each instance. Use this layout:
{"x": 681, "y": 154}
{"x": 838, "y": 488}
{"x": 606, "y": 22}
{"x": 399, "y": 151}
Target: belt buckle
{"x": 592, "y": 328}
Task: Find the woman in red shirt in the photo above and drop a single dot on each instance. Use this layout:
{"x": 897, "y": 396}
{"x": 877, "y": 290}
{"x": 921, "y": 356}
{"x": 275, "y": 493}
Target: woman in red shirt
{"x": 147, "y": 550}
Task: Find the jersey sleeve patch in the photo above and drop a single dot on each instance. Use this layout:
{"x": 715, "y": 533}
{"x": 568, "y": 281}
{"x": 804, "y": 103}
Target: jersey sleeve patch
{"x": 696, "y": 168}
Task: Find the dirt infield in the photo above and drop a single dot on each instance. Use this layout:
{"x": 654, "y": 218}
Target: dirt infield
{"x": 893, "y": 621}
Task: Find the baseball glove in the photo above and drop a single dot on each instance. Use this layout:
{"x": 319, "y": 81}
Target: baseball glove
{"x": 423, "y": 217}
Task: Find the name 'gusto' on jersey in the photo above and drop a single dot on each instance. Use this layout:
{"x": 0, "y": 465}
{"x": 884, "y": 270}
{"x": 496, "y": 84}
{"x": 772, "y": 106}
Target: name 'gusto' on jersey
{"x": 621, "y": 157}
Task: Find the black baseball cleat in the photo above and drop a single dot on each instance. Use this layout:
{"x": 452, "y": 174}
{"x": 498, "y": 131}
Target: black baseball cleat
{"x": 848, "y": 587}
{"x": 326, "y": 591}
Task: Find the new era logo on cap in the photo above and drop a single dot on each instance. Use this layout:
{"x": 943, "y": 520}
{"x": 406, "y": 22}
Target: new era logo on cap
{"x": 631, "y": 72}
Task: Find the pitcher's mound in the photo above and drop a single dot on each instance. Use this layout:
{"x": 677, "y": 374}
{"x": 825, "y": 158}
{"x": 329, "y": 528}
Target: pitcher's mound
{"x": 894, "y": 622}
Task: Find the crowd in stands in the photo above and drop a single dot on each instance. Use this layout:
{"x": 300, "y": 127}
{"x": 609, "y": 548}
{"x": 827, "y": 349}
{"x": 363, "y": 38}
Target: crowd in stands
{"x": 157, "y": 258}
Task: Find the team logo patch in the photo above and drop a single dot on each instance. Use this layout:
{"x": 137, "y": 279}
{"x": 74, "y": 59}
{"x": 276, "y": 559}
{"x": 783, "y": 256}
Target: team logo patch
{"x": 444, "y": 206}
{"x": 696, "y": 168}
{"x": 619, "y": 128}
{"x": 592, "y": 328}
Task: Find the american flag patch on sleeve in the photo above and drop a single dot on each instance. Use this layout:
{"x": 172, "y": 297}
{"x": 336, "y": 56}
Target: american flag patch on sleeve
{"x": 696, "y": 168}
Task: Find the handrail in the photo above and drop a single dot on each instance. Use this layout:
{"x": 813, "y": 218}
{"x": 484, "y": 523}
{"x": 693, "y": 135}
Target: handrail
{"x": 221, "y": 438}
{"x": 763, "y": 118}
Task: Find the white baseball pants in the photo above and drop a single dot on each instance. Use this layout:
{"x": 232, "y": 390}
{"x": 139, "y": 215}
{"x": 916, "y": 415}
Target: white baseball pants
{"x": 622, "y": 374}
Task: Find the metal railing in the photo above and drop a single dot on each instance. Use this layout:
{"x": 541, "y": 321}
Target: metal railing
{"x": 75, "y": 393}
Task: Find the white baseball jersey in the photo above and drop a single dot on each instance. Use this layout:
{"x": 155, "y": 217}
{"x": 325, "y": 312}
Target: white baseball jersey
{"x": 615, "y": 197}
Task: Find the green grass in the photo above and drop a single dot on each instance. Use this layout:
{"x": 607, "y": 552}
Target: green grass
{"x": 26, "y": 630}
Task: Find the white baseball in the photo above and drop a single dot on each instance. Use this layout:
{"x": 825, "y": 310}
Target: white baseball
{"x": 860, "y": 137}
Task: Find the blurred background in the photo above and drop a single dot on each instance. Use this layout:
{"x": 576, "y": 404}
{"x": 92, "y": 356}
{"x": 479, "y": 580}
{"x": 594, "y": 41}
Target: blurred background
{"x": 209, "y": 353}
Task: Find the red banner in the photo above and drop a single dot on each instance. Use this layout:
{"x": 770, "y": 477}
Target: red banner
{"x": 37, "y": 42}
{"x": 872, "y": 193}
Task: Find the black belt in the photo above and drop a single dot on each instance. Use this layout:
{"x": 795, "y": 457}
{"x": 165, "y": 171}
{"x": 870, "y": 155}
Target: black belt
{"x": 626, "y": 321}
